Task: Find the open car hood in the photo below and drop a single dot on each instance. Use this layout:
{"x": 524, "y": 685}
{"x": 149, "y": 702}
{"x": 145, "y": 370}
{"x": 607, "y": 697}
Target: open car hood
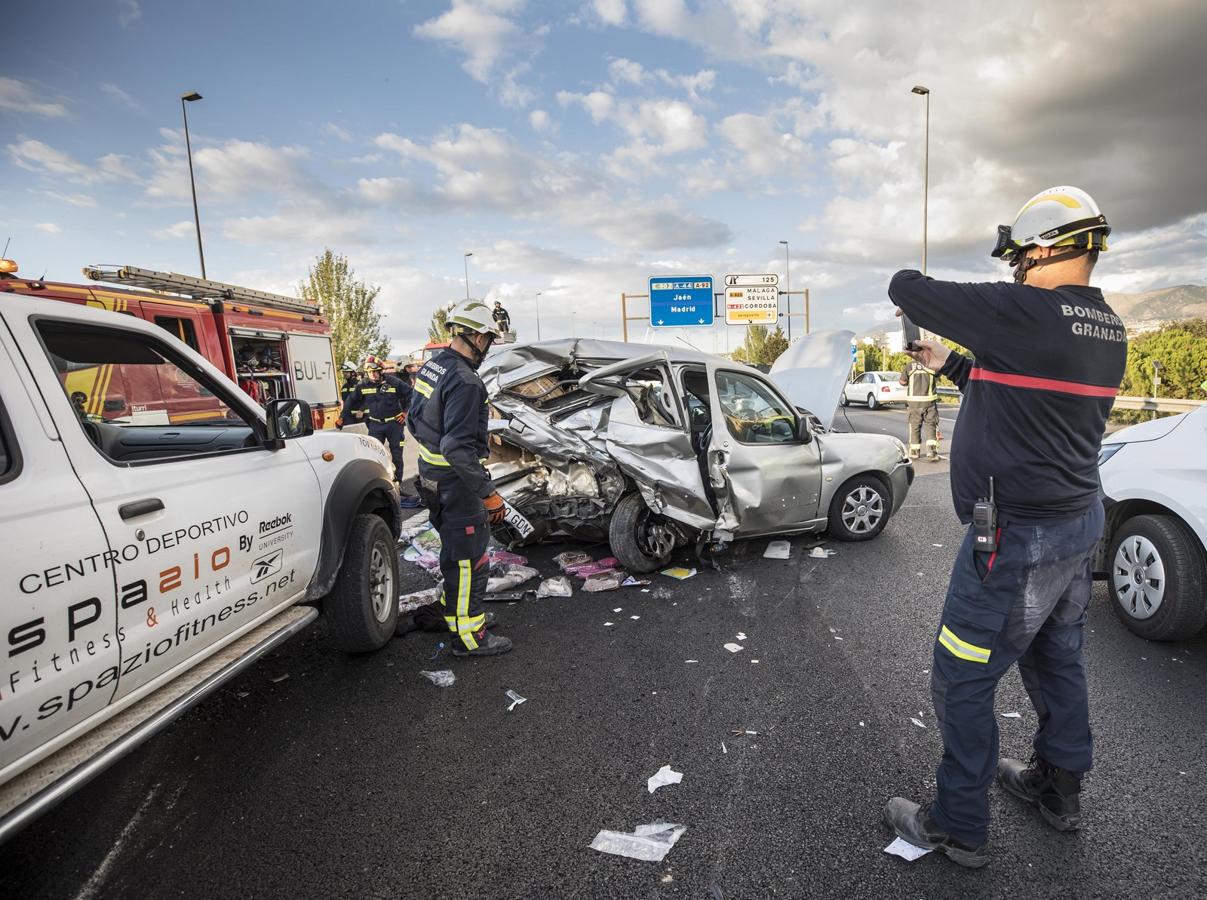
{"x": 813, "y": 370}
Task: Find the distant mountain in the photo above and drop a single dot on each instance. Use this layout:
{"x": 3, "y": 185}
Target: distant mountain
{"x": 1172, "y": 304}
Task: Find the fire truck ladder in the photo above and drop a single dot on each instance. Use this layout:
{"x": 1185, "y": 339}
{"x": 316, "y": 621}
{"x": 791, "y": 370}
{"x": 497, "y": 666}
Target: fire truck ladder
{"x": 196, "y": 288}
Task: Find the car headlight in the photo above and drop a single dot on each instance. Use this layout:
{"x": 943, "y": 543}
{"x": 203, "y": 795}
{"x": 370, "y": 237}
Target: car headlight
{"x": 901, "y": 448}
{"x": 1107, "y": 451}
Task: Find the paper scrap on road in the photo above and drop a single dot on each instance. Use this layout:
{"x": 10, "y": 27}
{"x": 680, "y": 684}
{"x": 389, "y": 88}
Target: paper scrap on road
{"x": 906, "y": 850}
{"x": 821, "y": 553}
{"x": 664, "y": 776}
{"x": 603, "y": 581}
{"x": 632, "y": 581}
{"x": 555, "y": 587}
{"x": 1012, "y": 715}
{"x": 649, "y": 843}
{"x": 606, "y": 624}
{"x": 279, "y": 678}
{"x": 634, "y": 618}
{"x": 734, "y": 648}
{"x": 618, "y": 609}
{"x": 778, "y": 550}
{"x": 515, "y": 699}
{"x": 509, "y": 577}
{"x": 441, "y": 678}
{"x": 723, "y": 750}
{"x": 754, "y": 660}
{"x": 678, "y": 572}
{"x": 918, "y": 722}
{"x": 741, "y": 635}
{"x": 936, "y": 545}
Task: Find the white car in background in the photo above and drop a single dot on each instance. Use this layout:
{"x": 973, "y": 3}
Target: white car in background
{"x": 1153, "y": 556}
{"x": 874, "y": 389}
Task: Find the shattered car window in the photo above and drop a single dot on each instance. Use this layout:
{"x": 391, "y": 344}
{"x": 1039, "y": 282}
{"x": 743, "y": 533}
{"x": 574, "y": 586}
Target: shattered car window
{"x": 753, "y": 413}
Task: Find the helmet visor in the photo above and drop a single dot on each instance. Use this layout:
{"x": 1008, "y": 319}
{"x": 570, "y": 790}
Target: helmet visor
{"x": 1005, "y": 246}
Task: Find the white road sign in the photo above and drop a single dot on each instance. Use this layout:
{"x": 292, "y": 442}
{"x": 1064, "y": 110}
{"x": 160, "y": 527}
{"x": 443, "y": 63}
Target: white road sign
{"x": 753, "y": 305}
{"x": 752, "y": 280}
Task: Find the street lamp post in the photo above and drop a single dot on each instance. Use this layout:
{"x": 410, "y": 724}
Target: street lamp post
{"x": 465, "y": 260}
{"x": 924, "y": 92}
{"x": 189, "y": 98}
{"x": 538, "y": 315}
{"x": 788, "y": 289}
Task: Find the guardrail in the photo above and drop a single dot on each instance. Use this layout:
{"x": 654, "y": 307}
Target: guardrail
{"x": 1147, "y": 404}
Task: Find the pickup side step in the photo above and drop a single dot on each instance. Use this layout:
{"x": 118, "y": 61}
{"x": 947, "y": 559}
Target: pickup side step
{"x": 36, "y": 790}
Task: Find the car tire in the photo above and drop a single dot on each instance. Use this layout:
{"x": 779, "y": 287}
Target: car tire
{"x": 844, "y": 400}
{"x": 362, "y": 609}
{"x": 872, "y": 404}
{"x": 635, "y": 538}
{"x": 1174, "y": 600}
{"x": 853, "y": 509}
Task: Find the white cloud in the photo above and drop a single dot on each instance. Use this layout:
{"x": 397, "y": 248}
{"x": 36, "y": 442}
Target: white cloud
{"x": 598, "y": 104}
{"x": 233, "y": 170}
{"x": 540, "y": 121}
{"x": 626, "y": 70}
{"x": 128, "y": 12}
{"x": 302, "y": 228}
{"x": 81, "y": 200}
{"x": 18, "y": 96}
{"x": 480, "y": 29}
{"x": 338, "y": 131}
{"x": 48, "y": 227}
{"x": 35, "y": 156}
{"x": 176, "y": 231}
{"x": 116, "y": 93}
{"x": 765, "y": 147}
{"x": 610, "y": 12}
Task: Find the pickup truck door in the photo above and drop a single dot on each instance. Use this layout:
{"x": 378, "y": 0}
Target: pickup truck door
{"x": 58, "y": 619}
{"x": 215, "y": 532}
{"x": 765, "y": 464}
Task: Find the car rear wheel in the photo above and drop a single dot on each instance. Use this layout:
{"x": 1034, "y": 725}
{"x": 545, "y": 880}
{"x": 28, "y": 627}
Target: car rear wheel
{"x": 860, "y": 509}
{"x": 844, "y": 399}
{"x": 1157, "y": 570}
{"x": 872, "y": 404}
{"x": 362, "y": 609}
{"x": 640, "y": 538}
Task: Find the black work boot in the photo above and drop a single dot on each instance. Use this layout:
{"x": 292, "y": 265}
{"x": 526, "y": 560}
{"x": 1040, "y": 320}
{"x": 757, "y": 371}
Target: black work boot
{"x": 488, "y": 645}
{"x": 1055, "y": 791}
{"x": 429, "y": 618}
{"x": 914, "y": 824}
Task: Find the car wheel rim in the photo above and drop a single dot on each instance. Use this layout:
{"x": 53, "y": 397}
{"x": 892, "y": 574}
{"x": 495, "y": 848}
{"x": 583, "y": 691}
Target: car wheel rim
{"x": 862, "y": 509}
{"x": 381, "y": 584}
{"x": 1138, "y": 575}
{"x": 655, "y": 539}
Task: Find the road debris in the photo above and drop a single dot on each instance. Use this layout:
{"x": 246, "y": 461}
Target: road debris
{"x": 439, "y": 650}
{"x": 632, "y": 581}
{"x": 571, "y": 558}
{"x": 649, "y": 843}
{"x": 515, "y": 699}
{"x": 754, "y": 660}
{"x": 602, "y": 567}
{"x": 742, "y": 731}
{"x": 906, "y": 850}
{"x": 498, "y": 558}
{"x": 606, "y": 624}
{"x": 509, "y": 577}
{"x": 603, "y": 581}
{"x": 917, "y": 722}
{"x": 411, "y": 602}
{"x": 734, "y": 648}
{"x": 691, "y": 660}
{"x": 664, "y": 776}
{"x": 778, "y": 550}
{"x": 741, "y": 635}
{"x": 279, "y": 678}
{"x": 821, "y": 553}
{"x": 680, "y": 572}
{"x": 555, "y": 587}
{"x": 723, "y": 748}
{"x": 440, "y": 678}
{"x": 1012, "y": 715}
{"x": 509, "y": 597}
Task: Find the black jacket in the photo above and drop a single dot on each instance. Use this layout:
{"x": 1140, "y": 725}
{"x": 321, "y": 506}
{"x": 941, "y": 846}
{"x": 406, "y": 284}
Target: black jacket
{"x": 448, "y": 419}
{"x": 1046, "y": 368}
{"x": 381, "y": 400}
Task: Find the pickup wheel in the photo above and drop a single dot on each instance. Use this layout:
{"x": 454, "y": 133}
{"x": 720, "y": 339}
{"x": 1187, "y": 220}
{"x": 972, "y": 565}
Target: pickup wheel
{"x": 1157, "y": 571}
{"x": 362, "y": 609}
{"x": 860, "y": 509}
{"x": 639, "y": 537}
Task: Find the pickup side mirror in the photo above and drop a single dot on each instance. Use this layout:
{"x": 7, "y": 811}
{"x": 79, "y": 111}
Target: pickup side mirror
{"x": 286, "y": 419}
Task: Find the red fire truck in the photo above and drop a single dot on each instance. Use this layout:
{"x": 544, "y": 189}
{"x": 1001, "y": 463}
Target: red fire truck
{"x": 271, "y": 344}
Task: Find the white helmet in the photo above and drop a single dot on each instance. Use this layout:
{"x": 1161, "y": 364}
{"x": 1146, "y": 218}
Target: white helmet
{"x": 472, "y": 316}
{"x": 1058, "y": 217}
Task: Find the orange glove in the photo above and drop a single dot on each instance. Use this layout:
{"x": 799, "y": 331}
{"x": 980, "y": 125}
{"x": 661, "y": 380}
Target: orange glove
{"x": 401, "y": 418}
{"x": 496, "y": 509}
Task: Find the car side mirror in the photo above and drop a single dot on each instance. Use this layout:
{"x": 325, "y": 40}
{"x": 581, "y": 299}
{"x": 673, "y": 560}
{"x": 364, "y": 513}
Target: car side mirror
{"x": 804, "y": 431}
{"x": 286, "y": 419}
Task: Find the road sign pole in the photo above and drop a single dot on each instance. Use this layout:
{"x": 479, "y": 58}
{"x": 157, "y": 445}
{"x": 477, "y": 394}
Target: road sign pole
{"x": 806, "y": 312}
{"x": 624, "y": 316}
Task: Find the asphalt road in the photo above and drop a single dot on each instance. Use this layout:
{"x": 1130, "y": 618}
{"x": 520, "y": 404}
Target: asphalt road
{"x": 356, "y": 777}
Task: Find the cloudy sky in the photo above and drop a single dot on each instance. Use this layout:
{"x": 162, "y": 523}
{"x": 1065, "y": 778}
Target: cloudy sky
{"x": 577, "y": 147}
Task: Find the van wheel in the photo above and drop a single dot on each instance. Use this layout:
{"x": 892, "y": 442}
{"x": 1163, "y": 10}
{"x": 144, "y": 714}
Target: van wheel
{"x": 1157, "y": 570}
{"x": 641, "y": 539}
{"x": 872, "y": 404}
{"x": 362, "y": 609}
{"x": 859, "y": 509}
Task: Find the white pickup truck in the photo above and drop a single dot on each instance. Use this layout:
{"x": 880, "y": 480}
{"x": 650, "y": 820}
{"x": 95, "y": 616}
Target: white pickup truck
{"x": 142, "y": 565}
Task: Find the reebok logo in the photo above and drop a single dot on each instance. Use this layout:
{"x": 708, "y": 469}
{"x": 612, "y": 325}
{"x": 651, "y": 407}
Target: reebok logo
{"x": 278, "y": 522}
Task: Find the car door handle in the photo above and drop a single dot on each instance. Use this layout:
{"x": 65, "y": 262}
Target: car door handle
{"x": 136, "y": 508}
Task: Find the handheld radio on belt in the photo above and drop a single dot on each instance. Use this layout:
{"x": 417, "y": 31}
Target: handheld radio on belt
{"x": 984, "y": 522}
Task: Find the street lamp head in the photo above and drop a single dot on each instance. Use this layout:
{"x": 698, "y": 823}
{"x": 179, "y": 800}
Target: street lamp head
{"x": 470, "y": 253}
{"x": 190, "y": 96}
{"x": 918, "y": 89}
{"x": 785, "y": 243}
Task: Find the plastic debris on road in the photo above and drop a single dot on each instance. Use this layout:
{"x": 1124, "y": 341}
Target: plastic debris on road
{"x": 602, "y": 567}
{"x": 279, "y": 678}
{"x": 510, "y": 577}
{"x": 917, "y": 722}
{"x": 635, "y": 582}
{"x": 741, "y": 635}
{"x": 649, "y": 843}
{"x": 1012, "y": 715}
{"x": 498, "y": 558}
{"x": 428, "y": 540}
{"x": 411, "y": 602}
{"x": 572, "y": 558}
{"x": 821, "y": 553}
{"x": 441, "y": 678}
{"x": 555, "y": 587}
{"x": 606, "y": 624}
{"x": 410, "y": 532}
{"x": 691, "y": 660}
{"x": 664, "y": 776}
{"x": 733, "y": 648}
{"x": 778, "y": 550}
{"x": 679, "y": 572}
{"x": 723, "y": 750}
{"x": 906, "y": 850}
{"x": 515, "y": 699}
{"x": 603, "y": 581}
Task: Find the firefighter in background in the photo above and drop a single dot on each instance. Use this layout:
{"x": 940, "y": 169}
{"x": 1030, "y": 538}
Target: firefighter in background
{"x": 923, "y": 405}
{"x": 502, "y": 318}
{"x": 351, "y": 379}
{"x": 448, "y": 421}
{"x": 384, "y": 399}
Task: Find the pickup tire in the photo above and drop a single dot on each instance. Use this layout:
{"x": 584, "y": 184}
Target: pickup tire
{"x": 1155, "y": 574}
{"x": 639, "y": 540}
{"x": 362, "y": 608}
{"x": 860, "y": 508}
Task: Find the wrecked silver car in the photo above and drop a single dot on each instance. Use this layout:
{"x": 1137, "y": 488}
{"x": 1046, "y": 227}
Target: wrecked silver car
{"x": 655, "y": 448}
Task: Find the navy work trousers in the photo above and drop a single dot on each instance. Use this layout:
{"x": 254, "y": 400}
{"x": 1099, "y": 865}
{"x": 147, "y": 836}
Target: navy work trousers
{"x": 1025, "y": 603}
{"x": 393, "y": 435}
{"x": 460, "y": 519}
